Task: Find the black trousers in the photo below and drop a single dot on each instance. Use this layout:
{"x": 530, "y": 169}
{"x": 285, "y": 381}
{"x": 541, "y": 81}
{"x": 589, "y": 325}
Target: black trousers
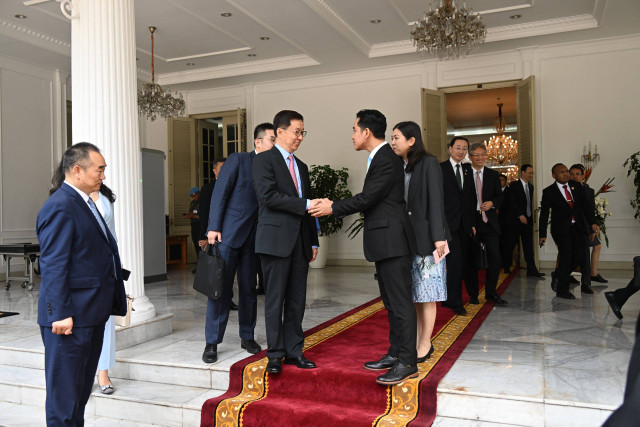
{"x": 394, "y": 280}
{"x": 628, "y": 413}
{"x": 487, "y": 235}
{"x": 524, "y": 232}
{"x": 458, "y": 262}
{"x": 623, "y": 294}
{"x": 571, "y": 253}
{"x": 285, "y": 296}
{"x": 70, "y": 364}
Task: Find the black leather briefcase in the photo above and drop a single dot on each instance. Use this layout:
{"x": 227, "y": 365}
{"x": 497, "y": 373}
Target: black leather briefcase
{"x": 209, "y": 279}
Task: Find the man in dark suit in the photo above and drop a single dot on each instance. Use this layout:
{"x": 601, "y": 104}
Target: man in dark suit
{"x": 81, "y": 285}
{"x": 389, "y": 241}
{"x": 506, "y": 257}
{"x": 286, "y": 240}
{"x": 489, "y": 197}
{"x": 459, "y": 203}
{"x": 205, "y": 200}
{"x": 568, "y": 204}
{"x": 232, "y": 223}
{"x": 520, "y": 220}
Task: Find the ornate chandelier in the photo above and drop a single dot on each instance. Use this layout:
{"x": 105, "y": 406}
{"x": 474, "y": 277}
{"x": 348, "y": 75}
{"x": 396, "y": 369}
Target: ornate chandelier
{"x": 154, "y": 101}
{"x": 502, "y": 150}
{"x": 448, "y": 32}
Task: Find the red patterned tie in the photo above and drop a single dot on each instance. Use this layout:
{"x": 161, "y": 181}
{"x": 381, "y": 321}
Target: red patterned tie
{"x": 292, "y": 171}
{"x": 569, "y": 200}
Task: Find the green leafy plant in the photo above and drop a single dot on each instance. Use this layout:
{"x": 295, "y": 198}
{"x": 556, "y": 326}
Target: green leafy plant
{"x": 633, "y": 163}
{"x": 356, "y": 226}
{"x": 329, "y": 183}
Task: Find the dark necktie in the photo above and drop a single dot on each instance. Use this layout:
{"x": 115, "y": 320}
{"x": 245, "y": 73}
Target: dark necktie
{"x": 458, "y": 176}
{"x": 526, "y": 193}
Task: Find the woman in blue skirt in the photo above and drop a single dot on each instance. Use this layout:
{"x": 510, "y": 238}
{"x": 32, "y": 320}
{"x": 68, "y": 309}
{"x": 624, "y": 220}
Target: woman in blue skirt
{"x": 423, "y": 193}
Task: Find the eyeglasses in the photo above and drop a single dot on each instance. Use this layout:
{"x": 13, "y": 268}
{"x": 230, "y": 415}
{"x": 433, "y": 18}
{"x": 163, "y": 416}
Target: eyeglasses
{"x": 297, "y": 132}
{"x": 478, "y": 155}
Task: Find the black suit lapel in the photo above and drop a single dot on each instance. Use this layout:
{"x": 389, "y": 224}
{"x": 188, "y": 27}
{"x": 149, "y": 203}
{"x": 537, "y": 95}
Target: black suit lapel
{"x": 451, "y": 174}
{"x": 416, "y": 176}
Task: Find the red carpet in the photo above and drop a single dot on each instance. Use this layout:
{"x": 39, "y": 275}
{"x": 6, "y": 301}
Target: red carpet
{"x": 340, "y": 391}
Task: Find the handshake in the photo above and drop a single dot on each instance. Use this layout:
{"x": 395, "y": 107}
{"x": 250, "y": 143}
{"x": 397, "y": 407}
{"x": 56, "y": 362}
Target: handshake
{"x": 320, "y": 207}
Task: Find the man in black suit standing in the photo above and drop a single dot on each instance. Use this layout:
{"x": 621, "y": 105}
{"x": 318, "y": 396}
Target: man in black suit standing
{"x": 568, "y": 204}
{"x": 520, "y": 220}
{"x": 489, "y": 197}
{"x": 506, "y": 257}
{"x": 286, "y": 240}
{"x": 389, "y": 241}
{"x": 459, "y": 203}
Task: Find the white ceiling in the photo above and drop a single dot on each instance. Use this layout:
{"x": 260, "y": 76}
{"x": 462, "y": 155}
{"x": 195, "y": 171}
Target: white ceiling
{"x": 306, "y": 36}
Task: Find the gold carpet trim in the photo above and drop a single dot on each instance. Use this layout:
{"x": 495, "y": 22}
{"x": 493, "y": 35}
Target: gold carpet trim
{"x": 405, "y": 396}
{"x": 255, "y": 380}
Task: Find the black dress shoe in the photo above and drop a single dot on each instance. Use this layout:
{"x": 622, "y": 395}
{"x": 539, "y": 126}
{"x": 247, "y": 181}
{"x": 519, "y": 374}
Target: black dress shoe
{"x": 554, "y": 281}
{"x": 497, "y": 300}
{"x": 398, "y": 374}
{"x": 251, "y": 346}
{"x": 426, "y": 356}
{"x": 300, "y": 361}
{"x": 586, "y": 289}
{"x": 536, "y": 274}
{"x": 210, "y": 354}
{"x": 599, "y": 279}
{"x": 233, "y": 306}
{"x": 565, "y": 295}
{"x": 611, "y": 299}
{"x": 573, "y": 280}
{"x": 274, "y": 366}
{"x": 385, "y": 362}
{"x": 474, "y": 300}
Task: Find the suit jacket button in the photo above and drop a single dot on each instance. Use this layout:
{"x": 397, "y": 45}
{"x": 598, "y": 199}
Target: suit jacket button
{"x": 409, "y": 212}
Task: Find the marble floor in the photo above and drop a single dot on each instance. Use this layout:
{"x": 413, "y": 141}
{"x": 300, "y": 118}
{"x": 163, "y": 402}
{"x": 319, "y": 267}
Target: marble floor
{"x": 538, "y": 361}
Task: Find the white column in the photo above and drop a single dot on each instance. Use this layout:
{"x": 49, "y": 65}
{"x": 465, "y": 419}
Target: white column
{"x": 105, "y": 113}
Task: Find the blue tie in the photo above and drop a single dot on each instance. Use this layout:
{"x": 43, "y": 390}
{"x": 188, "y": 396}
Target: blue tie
{"x": 368, "y": 163}
{"x": 94, "y": 211}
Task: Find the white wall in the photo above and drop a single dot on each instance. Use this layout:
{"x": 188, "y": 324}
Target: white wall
{"x": 31, "y": 138}
{"x": 584, "y": 91}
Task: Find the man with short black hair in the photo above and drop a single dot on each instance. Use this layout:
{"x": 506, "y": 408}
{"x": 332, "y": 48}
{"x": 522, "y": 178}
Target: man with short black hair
{"x": 520, "y": 221}
{"x": 286, "y": 240}
{"x": 81, "y": 284}
{"x": 567, "y": 202}
{"x": 459, "y": 205}
{"x": 232, "y": 222}
{"x": 389, "y": 241}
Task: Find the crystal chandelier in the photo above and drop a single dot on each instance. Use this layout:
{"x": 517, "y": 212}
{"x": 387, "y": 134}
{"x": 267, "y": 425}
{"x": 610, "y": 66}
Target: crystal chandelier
{"x": 154, "y": 101}
{"x": 448, "y": 32}
{"x": 502, "y": 150}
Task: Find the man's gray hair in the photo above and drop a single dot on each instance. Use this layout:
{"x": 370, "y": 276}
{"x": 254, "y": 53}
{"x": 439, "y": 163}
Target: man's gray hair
{"x": 477, "y": 145}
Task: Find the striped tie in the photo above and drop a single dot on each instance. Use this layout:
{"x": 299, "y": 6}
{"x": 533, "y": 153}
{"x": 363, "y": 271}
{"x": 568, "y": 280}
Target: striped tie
{"x": 94, "y": 211}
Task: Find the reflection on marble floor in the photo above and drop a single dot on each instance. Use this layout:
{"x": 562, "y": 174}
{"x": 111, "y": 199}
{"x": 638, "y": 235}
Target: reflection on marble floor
{"x": 538, "y": 361}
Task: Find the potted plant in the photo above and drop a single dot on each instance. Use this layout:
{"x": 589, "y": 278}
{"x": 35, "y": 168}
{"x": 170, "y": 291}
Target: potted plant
{"x": 329, "y": 183}
{"x": 633, "y": 162}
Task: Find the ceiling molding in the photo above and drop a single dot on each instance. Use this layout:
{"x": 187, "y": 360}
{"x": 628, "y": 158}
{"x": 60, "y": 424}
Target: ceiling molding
{"x": 270, "y": 28}
{"x": 541, "y": 28}
{"x": 202, "y": 55}
{"x": 598, "y": 9}
{"x": 333, "y": 18}
{"x": 243, "y": 68}
{"x": 508, "y": 32}
{"x": 177, "y": 5}
{"x": 35, "y": 38}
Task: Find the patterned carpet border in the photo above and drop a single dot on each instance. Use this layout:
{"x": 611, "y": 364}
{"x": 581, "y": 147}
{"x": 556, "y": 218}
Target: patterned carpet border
{"x": 404, "y": 401}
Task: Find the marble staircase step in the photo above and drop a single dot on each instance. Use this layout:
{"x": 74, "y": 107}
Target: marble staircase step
{"x": 133, "y": 401}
